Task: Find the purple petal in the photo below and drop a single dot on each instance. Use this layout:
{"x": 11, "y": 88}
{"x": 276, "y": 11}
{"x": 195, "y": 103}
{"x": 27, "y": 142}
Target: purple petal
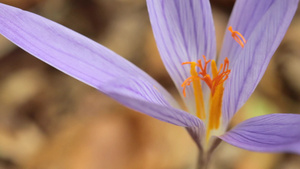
{"x": 143, "y": 97}
{"x": 91, "y": 63}
{"x": 67, "y": 50}
{"x": 268, "y": 133}
{"x": 245, "y": 17}
{"x": 184, "y": 31}
{"x": 263, "y": 33}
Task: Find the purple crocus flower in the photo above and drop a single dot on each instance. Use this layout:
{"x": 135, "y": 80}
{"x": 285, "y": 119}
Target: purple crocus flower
{"x": 184, "y": 32}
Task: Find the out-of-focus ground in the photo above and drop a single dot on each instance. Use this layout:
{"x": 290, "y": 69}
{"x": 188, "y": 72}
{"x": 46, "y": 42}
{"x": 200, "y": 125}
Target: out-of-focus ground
{"x": 49, "y": 120}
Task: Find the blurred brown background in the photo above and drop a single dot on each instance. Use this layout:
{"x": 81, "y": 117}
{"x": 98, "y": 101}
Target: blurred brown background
{"x": 49, "y": 120}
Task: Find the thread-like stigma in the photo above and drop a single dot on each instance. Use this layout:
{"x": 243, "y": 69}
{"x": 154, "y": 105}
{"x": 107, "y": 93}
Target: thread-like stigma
{"x": 237, "y": 36}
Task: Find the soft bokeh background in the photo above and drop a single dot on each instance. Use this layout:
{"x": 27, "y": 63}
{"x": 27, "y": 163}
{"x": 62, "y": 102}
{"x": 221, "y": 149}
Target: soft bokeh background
{"x": 49, "y": 120}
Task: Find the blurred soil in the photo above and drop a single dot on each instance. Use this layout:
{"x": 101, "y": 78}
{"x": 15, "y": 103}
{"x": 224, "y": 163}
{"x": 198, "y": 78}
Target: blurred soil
{"x": 49, "y": 120}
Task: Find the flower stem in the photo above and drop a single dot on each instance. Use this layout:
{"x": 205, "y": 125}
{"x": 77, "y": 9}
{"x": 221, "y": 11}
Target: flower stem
{"x": 204, "y": 157}
{"x": 202, "y": 161}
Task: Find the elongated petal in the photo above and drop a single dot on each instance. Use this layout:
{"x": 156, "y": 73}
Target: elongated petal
{"x": 264, "y": 34}
{"x": 269, "y": 133}
{"x": 184, "y": 31}
{"x": 143, "y": 97}
{"x": 81, "y": 58}
{"x": 245, "y": 17}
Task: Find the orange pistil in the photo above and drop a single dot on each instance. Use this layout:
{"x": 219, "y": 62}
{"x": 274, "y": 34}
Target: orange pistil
{"x": 237, "y": 36}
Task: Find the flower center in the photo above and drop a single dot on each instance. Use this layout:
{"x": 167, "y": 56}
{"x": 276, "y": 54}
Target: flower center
{"x": 215, "y": 84}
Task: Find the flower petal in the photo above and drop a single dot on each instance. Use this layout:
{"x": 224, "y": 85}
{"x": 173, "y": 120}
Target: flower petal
{"x": 264, "y": 24}
{"x": 69, "y": 51}
{"x": 268, "y": 133}
{"x": 184, "y": 31}
{"x": 143, "y": 97}
{"x": 245, "y": 18}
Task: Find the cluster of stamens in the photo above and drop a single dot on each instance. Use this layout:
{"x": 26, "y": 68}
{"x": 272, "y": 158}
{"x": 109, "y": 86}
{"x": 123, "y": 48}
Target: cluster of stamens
{"x": 219, "y": 78}
{"x": 215, "y": 83}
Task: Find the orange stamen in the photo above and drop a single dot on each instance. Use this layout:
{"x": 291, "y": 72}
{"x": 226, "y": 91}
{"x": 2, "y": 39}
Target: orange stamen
{"x": 195, "y": 79}
{"x": 220, "y": 77}
{"x": 237, "y": 36}
{"x": 215, "y": 111}
{"x": 215, "y": 83}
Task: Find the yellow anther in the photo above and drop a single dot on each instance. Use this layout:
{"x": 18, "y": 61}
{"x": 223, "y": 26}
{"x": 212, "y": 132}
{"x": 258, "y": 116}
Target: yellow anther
{"x": 237, "y": 36}
{"x": 195, "y": 79}
{"x": 214, "y": 68}
{"x": 215, "y": 110}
